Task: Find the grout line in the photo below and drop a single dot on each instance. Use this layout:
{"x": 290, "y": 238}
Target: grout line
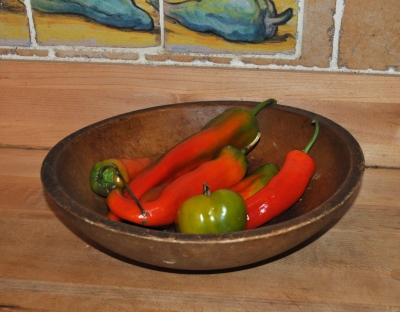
{"x": 340, "y": 4}
{"x": 32, "y": 30}
{"x": 300, "y": 28}
{"x": 237, "y": 64}
{"x": 161, "y": 15}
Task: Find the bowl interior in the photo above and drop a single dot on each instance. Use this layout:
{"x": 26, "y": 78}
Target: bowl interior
{"x": 152, "y": 132}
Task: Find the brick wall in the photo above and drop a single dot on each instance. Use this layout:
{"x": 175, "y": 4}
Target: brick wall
{"x": 342, "y": 35}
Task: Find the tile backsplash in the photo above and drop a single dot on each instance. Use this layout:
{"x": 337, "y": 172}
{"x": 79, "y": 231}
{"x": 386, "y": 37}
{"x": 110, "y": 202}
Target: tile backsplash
{"x": 331, "y": 35}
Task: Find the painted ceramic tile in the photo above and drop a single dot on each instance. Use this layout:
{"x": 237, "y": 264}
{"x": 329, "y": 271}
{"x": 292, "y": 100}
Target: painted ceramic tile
{"x": 113, "y": 23}
{"x": 231, "y": 26}
{"x": 14, "y": 29}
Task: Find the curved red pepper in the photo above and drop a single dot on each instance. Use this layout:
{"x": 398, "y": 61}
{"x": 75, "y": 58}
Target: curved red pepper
{"x": 236, "y": 126}
{"x": 284, "y": 189}
{"x": 227, "y": 169}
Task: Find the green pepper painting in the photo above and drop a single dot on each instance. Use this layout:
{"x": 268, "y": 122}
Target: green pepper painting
{"x": 116, "y": 13}
{"x": 111, "y": 23}
{"x": 208, "y": 26}
{"x": 234, "y": 20}
{"x": 230, "y": 26}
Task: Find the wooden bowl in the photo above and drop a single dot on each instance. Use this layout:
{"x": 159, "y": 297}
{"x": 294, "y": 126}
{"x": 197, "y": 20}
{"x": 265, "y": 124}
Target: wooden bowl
{"x": 150, "y": 132}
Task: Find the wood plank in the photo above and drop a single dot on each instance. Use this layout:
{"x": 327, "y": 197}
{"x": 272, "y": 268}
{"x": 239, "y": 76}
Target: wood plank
{"x": 219, "y": 82}
{"x": 21, "y": 162}
{"x": 41, "y": 103}
{"x": 67, "y": 297}
{"x": 47, "y": 265}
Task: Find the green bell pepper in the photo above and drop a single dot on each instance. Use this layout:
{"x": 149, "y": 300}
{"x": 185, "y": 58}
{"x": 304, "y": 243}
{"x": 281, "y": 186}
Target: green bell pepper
{"x": 219, "y": 212}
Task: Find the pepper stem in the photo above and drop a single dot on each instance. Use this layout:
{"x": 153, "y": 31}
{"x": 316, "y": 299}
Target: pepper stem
{"x": 251, "y": 145}
{"x": 115, "y": 167}
{"x": 261, "y": 105}
{"x": 314, "y": 138}
{"x": 206, "y": 189}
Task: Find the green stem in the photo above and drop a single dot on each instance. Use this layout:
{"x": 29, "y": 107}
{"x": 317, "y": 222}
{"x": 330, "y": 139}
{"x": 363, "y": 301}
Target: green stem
{"x": 260, "y": 106}
{"x": 115, "y": 167}
{"x": 314, "y": 138}
{"x": 250, "y": 146}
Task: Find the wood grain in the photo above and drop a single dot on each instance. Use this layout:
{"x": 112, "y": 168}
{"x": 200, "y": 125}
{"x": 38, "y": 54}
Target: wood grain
{"x": 47, "y": 265}
{"x": 44, "y": 102}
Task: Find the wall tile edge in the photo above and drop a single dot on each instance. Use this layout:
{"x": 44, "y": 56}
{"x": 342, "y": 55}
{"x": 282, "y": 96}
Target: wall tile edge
{"x": 159, "y": 59}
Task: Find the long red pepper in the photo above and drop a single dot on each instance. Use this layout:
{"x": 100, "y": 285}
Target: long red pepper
{"x": 284, "y": 189}
{"x": 236, "y": 126}
{"x": 227, "y": 169}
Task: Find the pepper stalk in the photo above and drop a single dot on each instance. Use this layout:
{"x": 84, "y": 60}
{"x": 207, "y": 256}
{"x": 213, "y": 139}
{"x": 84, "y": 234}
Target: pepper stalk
{"x": 118, "y": 172}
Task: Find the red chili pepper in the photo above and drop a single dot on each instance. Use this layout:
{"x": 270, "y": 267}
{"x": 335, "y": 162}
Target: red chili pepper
{"x": 228, "y": 168}
{"x": 283, "y": 190}
{"x": 236, "y": 126}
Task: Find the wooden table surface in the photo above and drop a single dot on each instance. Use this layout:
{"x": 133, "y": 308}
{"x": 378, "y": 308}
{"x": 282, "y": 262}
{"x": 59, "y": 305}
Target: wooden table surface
{"x": 46, "y": 265}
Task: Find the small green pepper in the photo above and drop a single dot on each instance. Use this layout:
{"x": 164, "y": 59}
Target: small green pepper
{"x": 104, "y": 178}
{"x": 219, "y": 212}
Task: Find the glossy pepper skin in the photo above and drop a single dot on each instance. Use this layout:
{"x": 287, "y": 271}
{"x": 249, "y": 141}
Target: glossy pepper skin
{"x": 103, "y": 183}
{"x": 247, "y": 187}
{"x": 221, "y": 211}
{"x": 285, "y": 189}
{"x": 255, "y": 181}
{"x": 225, "y": 170}
{"x": 237, "y": 127}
